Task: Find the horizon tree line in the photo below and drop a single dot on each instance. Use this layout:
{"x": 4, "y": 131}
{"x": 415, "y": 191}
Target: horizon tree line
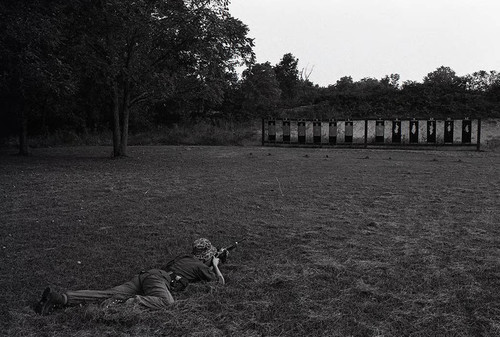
{"x": 94, "y": 65}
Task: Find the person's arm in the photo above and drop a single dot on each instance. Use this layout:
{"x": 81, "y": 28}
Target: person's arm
{"x": 215, "y": 265}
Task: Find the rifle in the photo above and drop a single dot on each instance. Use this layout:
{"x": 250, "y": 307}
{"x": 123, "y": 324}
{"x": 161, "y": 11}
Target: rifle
{"x": 223, "y": 253}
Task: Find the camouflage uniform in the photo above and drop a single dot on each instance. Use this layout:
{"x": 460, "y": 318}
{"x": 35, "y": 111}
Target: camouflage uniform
{"x": 150, "y": 288}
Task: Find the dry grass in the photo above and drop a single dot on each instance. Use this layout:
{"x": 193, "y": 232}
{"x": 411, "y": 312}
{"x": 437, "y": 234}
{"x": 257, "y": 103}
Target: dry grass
{"x": 340, "y": 243}
{"x": 202, "y": 133}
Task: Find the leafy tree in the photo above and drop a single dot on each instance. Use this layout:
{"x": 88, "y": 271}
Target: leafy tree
{"x": 221, "y": 46}
{"x": 442, "y": 93}
{"x": 145, "y": 51}
{"x": 33, "y": 69}
{"x": 308, "y": 92}
{"x": 287, "y": 74}
{"x": 391, "y": 81}
{"x": 481, "y": 80}
{"x": 443, "y": 79}
{"x": 367, "y": 85}
{"x": 493, "y": 94}
{"x": 260, "y": 90}
{"x": 345, "y": 83}
{"x": 443, "y": 88}
{"x": 119, "y": 45}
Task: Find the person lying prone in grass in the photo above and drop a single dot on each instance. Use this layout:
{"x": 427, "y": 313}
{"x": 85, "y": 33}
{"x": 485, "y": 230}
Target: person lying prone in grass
{"x": 151, "y": 288}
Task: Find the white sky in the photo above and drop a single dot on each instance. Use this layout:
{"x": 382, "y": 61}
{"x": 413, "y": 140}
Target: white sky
{"x": 374, "y": 38}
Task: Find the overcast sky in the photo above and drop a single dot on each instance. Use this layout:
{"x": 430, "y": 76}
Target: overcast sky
{"x": 374, "y": 38}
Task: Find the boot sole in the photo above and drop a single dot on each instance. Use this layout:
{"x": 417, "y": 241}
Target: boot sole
{"x": 41, "y": 304}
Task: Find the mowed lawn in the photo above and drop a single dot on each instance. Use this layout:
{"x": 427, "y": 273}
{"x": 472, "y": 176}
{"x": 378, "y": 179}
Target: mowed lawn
{"x": 338, "y": 242}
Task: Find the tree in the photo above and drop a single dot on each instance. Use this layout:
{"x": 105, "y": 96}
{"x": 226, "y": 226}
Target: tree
{"x": 260, "y": 90}
{"x": 204, "y": 80}
{"x": 118, "y": 44}
{"x": 443, "y": 89}
{"x": 391, "y": 81}
{"x": 148, "y": 50}
{"x": 33, "y": 68}
{"x": 117, "y": 56}
{"x": 443, "y": 79}
{"x": 481, "y": 80}
{"x": 287, "y": 74}
{"x": 344, "y": 83}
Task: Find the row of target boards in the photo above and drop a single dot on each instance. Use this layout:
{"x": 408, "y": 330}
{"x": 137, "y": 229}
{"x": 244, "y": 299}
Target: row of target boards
{"x": 395, "y": 131}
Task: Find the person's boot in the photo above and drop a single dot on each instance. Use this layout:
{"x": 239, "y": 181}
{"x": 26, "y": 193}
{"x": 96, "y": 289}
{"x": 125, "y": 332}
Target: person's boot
{"x": 49, "y": 301}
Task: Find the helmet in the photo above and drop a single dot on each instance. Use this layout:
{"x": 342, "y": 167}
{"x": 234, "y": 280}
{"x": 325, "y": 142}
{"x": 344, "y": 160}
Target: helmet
{"x": 203, "y": 249}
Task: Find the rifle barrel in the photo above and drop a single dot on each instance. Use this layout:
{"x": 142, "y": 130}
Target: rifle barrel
{"x": 234, "y": 245}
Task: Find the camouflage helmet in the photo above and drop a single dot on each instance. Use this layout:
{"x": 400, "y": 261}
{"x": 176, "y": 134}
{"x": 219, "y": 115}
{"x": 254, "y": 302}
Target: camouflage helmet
{"x": 203, "y": 249}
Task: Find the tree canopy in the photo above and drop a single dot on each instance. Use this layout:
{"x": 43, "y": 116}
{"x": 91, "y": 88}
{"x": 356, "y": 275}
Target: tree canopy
{"x": 136, "y": 53}
{"x": 94, "y": 65}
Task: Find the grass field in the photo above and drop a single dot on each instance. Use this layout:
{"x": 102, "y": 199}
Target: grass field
{"x": 339, "y": 242}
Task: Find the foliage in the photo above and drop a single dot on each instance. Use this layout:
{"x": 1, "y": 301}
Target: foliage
{"x": 260, "y": 90}
{"x": 119, "y": 58}
{"x": 151, "y": 51}
{"x": 33, "y": 74}
{"x": 89, "y": 66}
{"x": 441, "y": 94}
{"x": 287, "y": 74}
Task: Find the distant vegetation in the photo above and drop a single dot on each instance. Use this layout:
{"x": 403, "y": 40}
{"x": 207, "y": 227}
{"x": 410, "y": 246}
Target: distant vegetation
{"x": 441, "y": 94}
{"x": 83, "y": 69}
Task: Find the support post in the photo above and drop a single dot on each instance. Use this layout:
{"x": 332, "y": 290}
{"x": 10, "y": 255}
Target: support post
{"x": 263, "y": 131}
{"x": 479, "y": 134}
{"x": 366, "y": 132}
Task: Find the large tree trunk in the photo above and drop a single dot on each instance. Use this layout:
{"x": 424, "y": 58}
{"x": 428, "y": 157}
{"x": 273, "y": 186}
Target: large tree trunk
{"x": 23, "y": 133}
{"x": 125, "y": 119}
{"x": 124, "y": 138}
{"x": 116, "y": 122}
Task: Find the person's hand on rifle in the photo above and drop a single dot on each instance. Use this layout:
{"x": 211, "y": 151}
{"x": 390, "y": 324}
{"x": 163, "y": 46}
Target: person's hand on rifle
{"x": 215, "y": 265}
{"x": 223, "y": 254}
